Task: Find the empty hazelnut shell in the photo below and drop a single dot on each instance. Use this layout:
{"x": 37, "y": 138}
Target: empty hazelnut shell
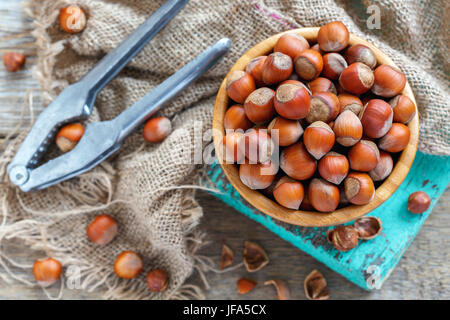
{"x": 227, "y": 257}
{"x": 254, "y": 257}
{"x": 316, "y": 286}
{"x": 368, "y": 227}
{"x": 245, "y": 285}
{"x": 282, "y": 289}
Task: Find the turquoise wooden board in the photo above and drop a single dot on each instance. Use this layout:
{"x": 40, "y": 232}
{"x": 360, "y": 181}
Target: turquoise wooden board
{"x": 371, "y": 262}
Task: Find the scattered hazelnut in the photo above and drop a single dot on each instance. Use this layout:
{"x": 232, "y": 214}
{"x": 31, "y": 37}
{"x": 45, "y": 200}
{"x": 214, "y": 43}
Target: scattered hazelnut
{"x": 297, "y": 163}
{"x": 102, "y": 229}
{"x": 157, "y": 129}
{"x": 259, "y": 105}
{"x": 245, "y": 285}
{"x": 227, "y": 257}
{"x": 254, "y": 257}
{"x": 235, "y": 118}
{"x": 14, "y": 61}
{"x": 368, "y": 227}
{"x": 157, "y": 280}
{"x": 418, "y": 202}
{"x": 47, "y": 271}
{"x": 277, "y": 68}
{"x": 309, "y": 64}
{"x": 324, "y": 196}
{"x": 239, "y": 86}
{"x": 68, "y": 136}
{"x": 289, "y": 193}
{"x": 283, "y": 291}
{"x": 72, "y": 19}
{"x": 128, "y": 265}
{"x": 344, "y": 238}
{"x": 333, "y": 37}
{"x": 316, "y": 286}
{"x": 291, "y": 44}
{"x": 361, "y": 53}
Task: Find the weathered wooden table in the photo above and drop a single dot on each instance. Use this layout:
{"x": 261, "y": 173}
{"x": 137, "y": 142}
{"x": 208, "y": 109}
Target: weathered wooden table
{"x": 423, "y": 273}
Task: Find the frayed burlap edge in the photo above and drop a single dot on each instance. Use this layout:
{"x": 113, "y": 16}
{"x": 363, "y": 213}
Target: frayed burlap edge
{"x": 34, "y": 234}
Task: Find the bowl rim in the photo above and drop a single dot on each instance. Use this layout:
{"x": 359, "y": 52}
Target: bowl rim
{"x": 313, "y": 218}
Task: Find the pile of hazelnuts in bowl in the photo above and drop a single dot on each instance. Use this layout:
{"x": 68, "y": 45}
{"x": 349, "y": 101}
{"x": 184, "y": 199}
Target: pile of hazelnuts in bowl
{"x": 316, "y": 126}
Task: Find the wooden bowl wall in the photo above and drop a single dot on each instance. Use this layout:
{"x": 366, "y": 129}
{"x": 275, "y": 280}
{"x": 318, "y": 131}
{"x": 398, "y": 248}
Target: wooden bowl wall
{"x": 311, "y": 218}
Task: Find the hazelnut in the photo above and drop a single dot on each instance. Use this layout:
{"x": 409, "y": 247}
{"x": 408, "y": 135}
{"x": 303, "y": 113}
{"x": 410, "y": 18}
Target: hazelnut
{"x": 157, "y": 129}
{"x": 289, "y": 131}
{"x": 318, "y": 139}
{"x": 333, "y": 65}
{"x": 291, "y": 44}
{"x": 255, "y": 69}
{"x": 357, "y": 78}
{"x": 14, "y": 61}
{"x": 396, "y": 139}
{"x": 257, "y": 176}
{"x": 359, "y": 188}
{"x": 389, "y": 82}
{"x": 235, "y": 118}
{"x": 344, "y": 238}
{"x": 308, "y": 64}
{"x": 306, "y": 204}
{"x": 324, "y": 196}
{"x": 297, "y": 163}
{"x": 277, "y": 68}
{"x": 315, "y": 286}
{"x": 333, "y": 167}
{"x": 102, "y": 229}
{"x": 283, "y": 291}
{"x": 324, "y": 107}
{"x": 227, "y": 257}
{"x": 128, "y": 265}
{"x": 47, "y": 271}
{"x": 259, "y": 105}
{"x": 383, "y": 168}
{"x": 361, "y": 53}
{"x": 350, "y": 102}
{"x": 232, "y": 153}
{"x": 289, "y": 193}
{"x": 418, "y": 202}
{"x": 157, "y": 280}
{"x": 316, "y": 47}
{"x": 245, "y": 285}
{"x": 239, "y": 85}
{"x": 364, "y": 156}
{"x": 255, "y": 257}
{"x": 68, "y": 136}
{"x": 256, "y": 145}
{"x": 347, "y": 128}
{"x": 333, "y": 37}
{"x": 376, "y": 118}
{"x": 368, "y": 227}
{"x": 72, "y": 19}
{"x": 292, "y": 101}
{"x": 322, "y": 84}
{"x": 403, "y": 107}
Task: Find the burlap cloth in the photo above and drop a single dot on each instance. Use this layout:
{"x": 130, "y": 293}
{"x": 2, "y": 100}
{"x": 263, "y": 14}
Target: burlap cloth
{"x": 140, "y": 187}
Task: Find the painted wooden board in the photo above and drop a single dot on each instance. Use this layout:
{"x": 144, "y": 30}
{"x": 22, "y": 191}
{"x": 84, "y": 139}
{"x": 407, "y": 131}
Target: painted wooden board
{"x": 371, "y": 262}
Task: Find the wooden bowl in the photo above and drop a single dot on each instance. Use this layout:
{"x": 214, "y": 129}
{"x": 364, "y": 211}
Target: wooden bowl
{"x": 311, "y": 218}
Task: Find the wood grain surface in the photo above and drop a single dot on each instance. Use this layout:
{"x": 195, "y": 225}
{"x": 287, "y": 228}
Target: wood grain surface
{"x": 423, "y": 273}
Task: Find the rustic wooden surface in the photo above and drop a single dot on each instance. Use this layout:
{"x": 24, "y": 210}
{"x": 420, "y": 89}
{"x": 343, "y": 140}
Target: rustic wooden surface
{"x": 423, "y": 273}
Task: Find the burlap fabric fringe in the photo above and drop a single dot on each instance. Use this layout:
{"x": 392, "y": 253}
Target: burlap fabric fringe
{"x": 139, "y": 186}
